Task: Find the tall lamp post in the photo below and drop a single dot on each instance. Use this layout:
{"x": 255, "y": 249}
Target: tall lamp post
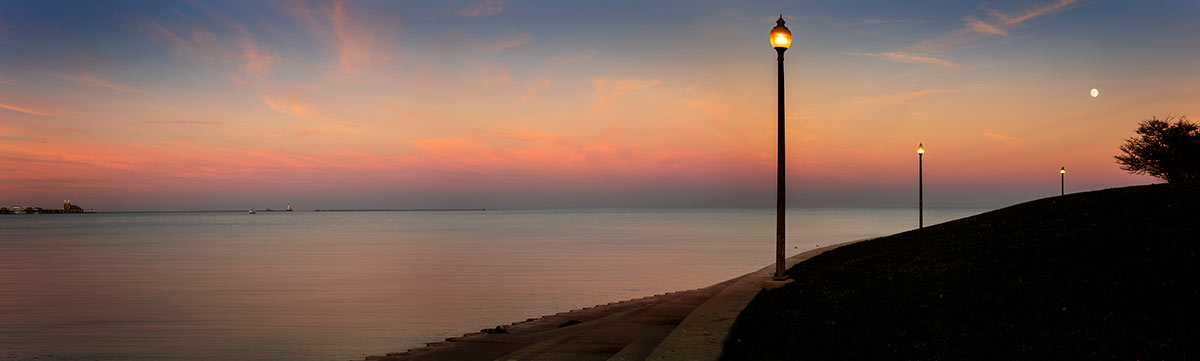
{"x": 781, "y": 38}
{"x": 920, "y": 185}
{"x": 1062, "y": 181}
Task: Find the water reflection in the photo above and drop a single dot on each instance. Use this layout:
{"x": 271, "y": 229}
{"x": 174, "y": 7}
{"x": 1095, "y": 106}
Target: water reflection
{"x": 320, "y": 286}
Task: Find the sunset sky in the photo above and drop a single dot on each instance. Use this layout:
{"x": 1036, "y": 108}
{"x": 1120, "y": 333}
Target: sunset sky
{"x": 182, "y": 105}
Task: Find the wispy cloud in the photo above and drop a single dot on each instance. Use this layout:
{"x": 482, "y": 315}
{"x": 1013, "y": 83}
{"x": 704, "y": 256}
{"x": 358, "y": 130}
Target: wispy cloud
{"x": 293, "y": 101}
{"x": 922, "y": 93}
{"x": 391, "y": 105}
{"x": 482, "y": 9}
{"x": 1010, "y": 20}
{"x": 983, "y": 27}
{"x": 513, "y": 40}
{"x": 83, "y": 77}
{"x": 908, "y": 58}
{"x": 353, "y": 43}
{"x": 608, "y": 88}
{"x": 884, "y": 100}
{"x": 998, "y": 23}
{"x": 321, "y": 131}
{"x": 534, "y": 90}
{"x": 199, "y": 50}
{"x": 1003, "y": 138}
{"x": 256, "y": 60}
{"x": 250, "y": 60}
{"x": 573, "y": 59}
{"x": 22, "y": 110}
{"x": 879, "y": 22}
{"x": 499, "y": 77}
{"x": 712, "y": 109}
{"x": 188, "y": 122}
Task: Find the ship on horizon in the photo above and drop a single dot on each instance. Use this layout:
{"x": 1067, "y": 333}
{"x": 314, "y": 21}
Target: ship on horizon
{"x": 288, "y": 209}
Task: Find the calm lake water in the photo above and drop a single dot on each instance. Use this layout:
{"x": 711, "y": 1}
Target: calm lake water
{"x": 344, "y": 285}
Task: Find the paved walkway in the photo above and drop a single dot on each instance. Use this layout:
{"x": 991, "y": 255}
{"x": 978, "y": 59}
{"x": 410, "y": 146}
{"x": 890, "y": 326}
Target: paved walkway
{"x": 686, "y": 325}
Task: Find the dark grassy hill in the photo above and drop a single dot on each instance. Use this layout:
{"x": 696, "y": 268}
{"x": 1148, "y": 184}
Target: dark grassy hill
{"x": 1109, "y": 274}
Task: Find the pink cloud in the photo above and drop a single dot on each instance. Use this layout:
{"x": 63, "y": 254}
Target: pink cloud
{"x": 609, "y": 88}
{"x": 87, "y": 79}
{"x": 23, "y": 110}
{"x": 499, "y": 77}
{"x": 514, "y": 40}
{"x": 710, "y": 108}
{"x": 294, "y": 108}
{"x": 353, "y": 42}
{"x": 909, "y": 58}
{"x": 354, "y": 45}
{"x": 530, "y": 136}
{"x": 391, "y": 104}
{"x": 534, "y": 90}
{"x": 527, "y": 157}
{"x": 250, "y": 60}
{"x": 1003, "y": 138}
{"x": 322, "y": 131}
{"x": 886, "y": 100}
{"x": 573, "y": 59}
{"x": 980, "y": 26}
{"x": 1036, "y": 12}
{"x": 976, "y": 29}
{"x": 294, "y": 101}
{"x": 879, "y": 21}
{"x": 948, "y": 40}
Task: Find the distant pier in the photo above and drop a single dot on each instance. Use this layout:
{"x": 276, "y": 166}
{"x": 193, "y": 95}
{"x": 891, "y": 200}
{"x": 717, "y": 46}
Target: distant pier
{"x": 67, "y": 208}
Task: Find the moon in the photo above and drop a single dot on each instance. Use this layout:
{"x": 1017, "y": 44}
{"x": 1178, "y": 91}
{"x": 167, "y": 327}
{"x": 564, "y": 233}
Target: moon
{"x": 1095, "y": 93}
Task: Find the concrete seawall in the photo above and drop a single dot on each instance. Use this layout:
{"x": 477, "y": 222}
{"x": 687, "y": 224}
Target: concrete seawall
{"x": 688, "y": 325}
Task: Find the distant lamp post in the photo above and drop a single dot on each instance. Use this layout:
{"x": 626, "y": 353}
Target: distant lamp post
{"x": 781, "y": 39}
{"x": 920, "y": 185}
{"x": 1062, "y": 181}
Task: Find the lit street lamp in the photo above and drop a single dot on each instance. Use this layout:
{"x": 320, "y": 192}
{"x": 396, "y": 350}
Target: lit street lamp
{"x": 781, "y": 39}
{"x": 1062, "y": 181}
{"x": 920, "y": 185}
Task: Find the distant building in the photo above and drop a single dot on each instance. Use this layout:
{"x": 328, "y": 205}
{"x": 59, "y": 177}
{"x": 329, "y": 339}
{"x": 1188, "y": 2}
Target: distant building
{"x": 67, "y": 208}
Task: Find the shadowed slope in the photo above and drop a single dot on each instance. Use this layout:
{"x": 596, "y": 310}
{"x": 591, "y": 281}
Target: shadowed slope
{"x": 1100, "y": 274}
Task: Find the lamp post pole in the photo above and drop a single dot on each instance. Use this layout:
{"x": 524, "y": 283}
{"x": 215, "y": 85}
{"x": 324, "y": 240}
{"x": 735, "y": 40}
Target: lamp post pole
{"x": 1062, "y": 181}
{"x": 781, "y": 39}
{"x": 920, "y": 186}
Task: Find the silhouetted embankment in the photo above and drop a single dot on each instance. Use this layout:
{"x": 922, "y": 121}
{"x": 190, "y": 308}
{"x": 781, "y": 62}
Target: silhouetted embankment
{"x": 1097, "y": 275}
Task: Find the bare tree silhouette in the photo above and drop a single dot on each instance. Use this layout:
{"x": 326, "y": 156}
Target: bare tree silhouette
{"x": 1164, "y": 149}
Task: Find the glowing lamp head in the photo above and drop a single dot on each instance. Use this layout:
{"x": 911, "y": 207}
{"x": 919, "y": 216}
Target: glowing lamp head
{"x": 1062, "y": 170}
{"x": 921, "y": 148}
{"x": 781, "y": 37}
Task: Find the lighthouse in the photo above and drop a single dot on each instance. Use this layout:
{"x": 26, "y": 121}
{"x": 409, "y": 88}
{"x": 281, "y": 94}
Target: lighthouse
{"x": 289, "y": 209}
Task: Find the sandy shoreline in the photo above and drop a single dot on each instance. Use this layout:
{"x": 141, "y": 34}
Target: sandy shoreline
{"x": 689, "y": 324}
